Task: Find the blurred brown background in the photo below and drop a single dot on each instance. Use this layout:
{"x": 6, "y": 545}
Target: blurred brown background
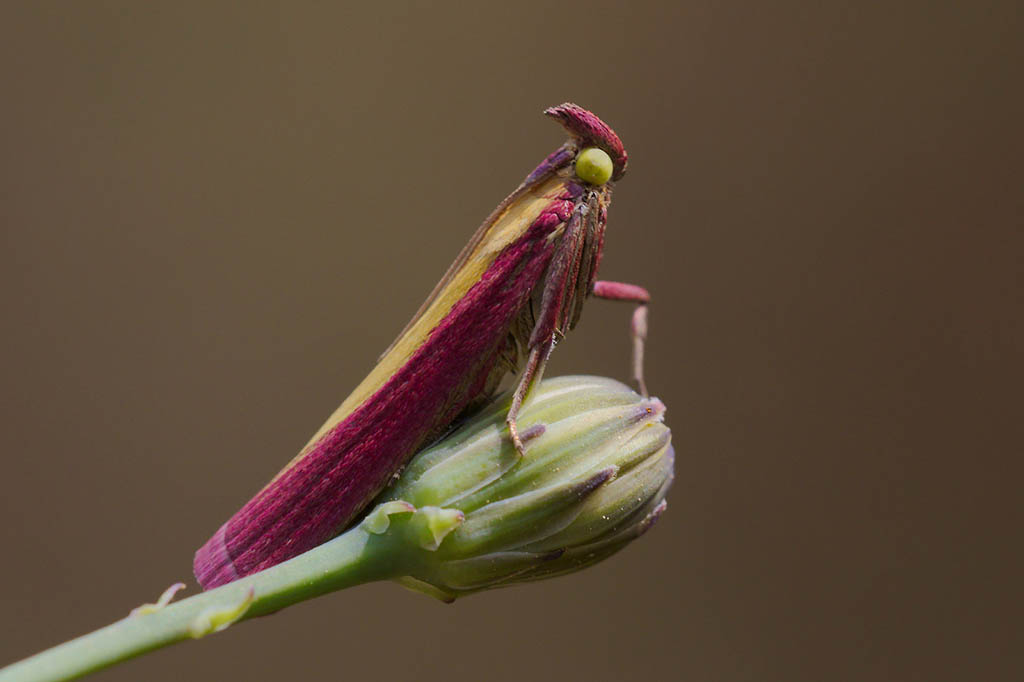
{"x": 213, "y": 220}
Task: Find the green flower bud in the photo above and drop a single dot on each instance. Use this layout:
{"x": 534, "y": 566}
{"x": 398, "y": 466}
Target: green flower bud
{"x": 477, "y": 515}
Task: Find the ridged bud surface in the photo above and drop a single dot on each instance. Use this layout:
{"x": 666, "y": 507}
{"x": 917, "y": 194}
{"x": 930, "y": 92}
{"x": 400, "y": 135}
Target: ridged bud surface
{"x": 598, "y": 465}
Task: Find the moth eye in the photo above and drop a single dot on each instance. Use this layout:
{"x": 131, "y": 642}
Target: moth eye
{"x": 593, "y": 165}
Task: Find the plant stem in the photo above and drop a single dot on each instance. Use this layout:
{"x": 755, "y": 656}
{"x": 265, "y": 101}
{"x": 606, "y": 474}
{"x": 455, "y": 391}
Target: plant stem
{"x": 353, "y": 558}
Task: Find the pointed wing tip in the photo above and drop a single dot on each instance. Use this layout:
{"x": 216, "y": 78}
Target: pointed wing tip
{"x": 212, "y": 565}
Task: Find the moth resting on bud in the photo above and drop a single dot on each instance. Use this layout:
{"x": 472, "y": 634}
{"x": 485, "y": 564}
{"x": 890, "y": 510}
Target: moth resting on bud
{"x": 518, "y": 285}
{"x": 474, "y": 514}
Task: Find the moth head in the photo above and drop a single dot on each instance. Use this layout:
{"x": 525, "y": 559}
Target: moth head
{"x": 597, "y": 141}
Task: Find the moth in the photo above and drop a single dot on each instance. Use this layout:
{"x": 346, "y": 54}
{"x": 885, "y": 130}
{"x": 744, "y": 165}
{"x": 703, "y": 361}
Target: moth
{"x": 513, "y": 292}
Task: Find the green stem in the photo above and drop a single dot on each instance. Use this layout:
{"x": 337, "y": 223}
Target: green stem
{"x": 353, "y": 558}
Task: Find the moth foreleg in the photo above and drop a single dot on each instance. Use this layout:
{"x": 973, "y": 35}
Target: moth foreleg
{"x": 532, "y": 374}
{"x": 620, "y": 291}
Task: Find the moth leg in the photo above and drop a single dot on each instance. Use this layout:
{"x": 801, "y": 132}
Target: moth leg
{"x": 620, "y": 291}
{"x": 532, "y": 374}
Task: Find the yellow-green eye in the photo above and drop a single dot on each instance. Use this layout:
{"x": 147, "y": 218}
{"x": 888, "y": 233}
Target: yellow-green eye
{"x": 593, "y": 165}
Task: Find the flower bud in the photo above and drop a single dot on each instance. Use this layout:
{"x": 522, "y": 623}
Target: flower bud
{"x": 597, "y": 466}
